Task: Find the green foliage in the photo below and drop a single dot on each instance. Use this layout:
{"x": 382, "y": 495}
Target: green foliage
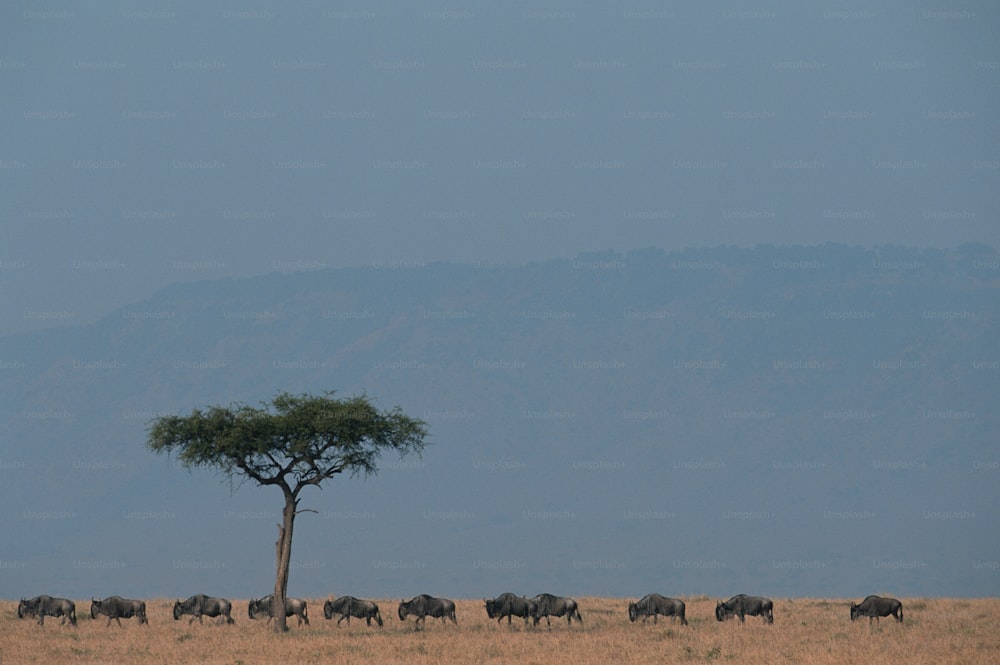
{"x": 295, "y": 441}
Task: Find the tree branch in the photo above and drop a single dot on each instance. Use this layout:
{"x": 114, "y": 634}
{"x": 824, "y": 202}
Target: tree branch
{"x": 255, "y": 474}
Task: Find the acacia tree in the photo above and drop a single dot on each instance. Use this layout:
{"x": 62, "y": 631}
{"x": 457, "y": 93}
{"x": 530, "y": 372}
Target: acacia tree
{"x": 293, "y": 443}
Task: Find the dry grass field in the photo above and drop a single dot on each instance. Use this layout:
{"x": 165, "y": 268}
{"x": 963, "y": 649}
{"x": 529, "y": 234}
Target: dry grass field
{"x": 805, "y": 631}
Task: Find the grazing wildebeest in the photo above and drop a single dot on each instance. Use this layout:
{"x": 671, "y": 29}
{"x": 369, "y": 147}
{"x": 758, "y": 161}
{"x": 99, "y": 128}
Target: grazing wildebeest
{"x": 43, "y": 606}
{"x": 201, "y": 605}
{"x": 262, "y": 607}
{"x": 547, "y": 605}
{"x": 118, "y": 608}
{"x": 654, "y": 605}
{"x": 424, "y": 606}
{"x": 349, "y": 606}
{"x": 874, "y": 607}
{"x": 741, "y": 604}
{"x": 508, "y": 605}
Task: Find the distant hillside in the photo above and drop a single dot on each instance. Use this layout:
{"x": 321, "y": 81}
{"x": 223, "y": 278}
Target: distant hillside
{"x": 796, "y": 421}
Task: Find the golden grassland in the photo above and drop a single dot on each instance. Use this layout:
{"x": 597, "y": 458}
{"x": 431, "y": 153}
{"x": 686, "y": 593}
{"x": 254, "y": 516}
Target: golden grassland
{"x": 805, "y": 631}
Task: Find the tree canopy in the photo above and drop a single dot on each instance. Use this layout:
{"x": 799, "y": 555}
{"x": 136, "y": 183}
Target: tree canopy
{"x": 296, "y": 441}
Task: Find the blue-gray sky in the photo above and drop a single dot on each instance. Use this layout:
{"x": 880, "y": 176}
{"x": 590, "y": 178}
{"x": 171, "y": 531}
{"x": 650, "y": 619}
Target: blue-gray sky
{"x": 180, "y": 141}
{"x": 174, "y": 142}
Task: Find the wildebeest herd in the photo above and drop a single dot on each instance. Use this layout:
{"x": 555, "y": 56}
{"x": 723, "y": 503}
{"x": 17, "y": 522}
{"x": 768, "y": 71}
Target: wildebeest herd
{"x": 506, "y": 605}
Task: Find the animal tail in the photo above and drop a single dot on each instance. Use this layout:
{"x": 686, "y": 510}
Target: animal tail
{"x": 72, "y": 615}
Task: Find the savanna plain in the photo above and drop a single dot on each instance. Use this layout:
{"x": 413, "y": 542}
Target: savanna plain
{"x": 805, "y": 631}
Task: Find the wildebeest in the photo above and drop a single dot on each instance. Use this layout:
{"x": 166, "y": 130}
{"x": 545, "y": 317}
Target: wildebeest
{"x": 349, "y": 606}
{"x": 874, "y": 607}
{"x": 43, "y": 606}
{"x": 201, "y": 605}
{"x": 508, "y": 605}
{"x": 654, "y": 605}
{"x": 741, "y": 604}
{"x": 118, "y": 608}
{"x": 262, "y": 607}
{"x": 547, "y": 605}
{"x": 424, "y": 606}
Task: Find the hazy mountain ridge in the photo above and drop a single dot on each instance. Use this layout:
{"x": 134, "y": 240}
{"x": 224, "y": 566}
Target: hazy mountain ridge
{"x": 627, "y": 415}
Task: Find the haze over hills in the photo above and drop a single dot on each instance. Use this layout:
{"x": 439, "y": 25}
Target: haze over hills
{"x": 795, "y": 421}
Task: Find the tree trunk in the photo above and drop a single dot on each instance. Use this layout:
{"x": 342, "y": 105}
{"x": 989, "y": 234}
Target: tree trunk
{"x": 283, "y": 552}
